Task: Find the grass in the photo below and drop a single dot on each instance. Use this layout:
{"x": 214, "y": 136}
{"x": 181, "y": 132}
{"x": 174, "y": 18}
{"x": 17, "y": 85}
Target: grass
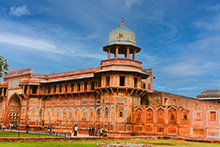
{"x": 16, "y": 134}
{"x": 155, "y": 143}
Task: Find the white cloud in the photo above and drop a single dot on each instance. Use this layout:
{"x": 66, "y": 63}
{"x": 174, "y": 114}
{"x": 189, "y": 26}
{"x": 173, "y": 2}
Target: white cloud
{"x": 129, "y": 3}
{"x": 87, "y": 55}
{"x": 189, "y": 68}
{"x": 213, "y": 7}
{"x": 208, "y": 24}
{"x": 189, "y": 88}
{"x": 28, "y": 42}
{"x": 19, "y": 11}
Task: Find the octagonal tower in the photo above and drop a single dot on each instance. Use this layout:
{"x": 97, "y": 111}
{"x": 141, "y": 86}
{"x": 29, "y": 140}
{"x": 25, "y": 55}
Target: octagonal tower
{"x": 122, "y": 82}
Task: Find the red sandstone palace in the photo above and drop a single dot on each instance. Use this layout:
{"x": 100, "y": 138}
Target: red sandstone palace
{"x": 117, "y": 95}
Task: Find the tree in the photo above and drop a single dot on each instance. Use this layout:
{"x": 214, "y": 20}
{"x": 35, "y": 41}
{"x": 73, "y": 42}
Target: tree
{"x": 3, "y": 66}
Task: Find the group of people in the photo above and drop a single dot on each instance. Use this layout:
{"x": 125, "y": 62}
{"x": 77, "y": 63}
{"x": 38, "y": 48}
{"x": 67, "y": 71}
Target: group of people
{"x": 92, "y": 131}
{"x": 9, "y": 126}
{"x": 50, "y": 129}
{"x": 96, "y": 131}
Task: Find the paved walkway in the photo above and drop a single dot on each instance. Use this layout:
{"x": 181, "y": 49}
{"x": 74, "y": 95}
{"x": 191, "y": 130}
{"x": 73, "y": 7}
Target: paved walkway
{"x": 46, "y": 133}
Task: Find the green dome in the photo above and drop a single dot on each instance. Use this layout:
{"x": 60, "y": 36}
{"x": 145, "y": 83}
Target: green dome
{"x": 121, "y": 35}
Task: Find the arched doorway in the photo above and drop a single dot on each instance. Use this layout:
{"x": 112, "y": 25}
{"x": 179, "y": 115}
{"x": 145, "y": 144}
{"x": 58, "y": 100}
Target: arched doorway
{"x": 14, "y": 109}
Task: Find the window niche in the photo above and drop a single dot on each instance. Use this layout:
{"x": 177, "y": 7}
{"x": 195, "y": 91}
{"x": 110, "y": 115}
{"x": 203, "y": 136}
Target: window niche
{"x": 106, "y": 112}
{"x": 85, "y": 86}
{"x": 72, "y": 87}
{"x": 25, "y": 89}
{"x": 165, "y": 101}
{"x": 66, "y": 88}
{"x": 34, "y": 89}
{"x": 60, "y": 88}
{"x": 144, "y": 86}
{"x": 122, "y": 80}
{"x": 54, "y": 88}
{"x": 78, "y": 87}
{"x": 212, "y": 115}
{"x": 135, "y": 82}
{"x": 121, "y": 114}
{"x": 92, "y": 85}
{"x": 107, "y": 81}
{"x": 49, "y": 89}
{"x": 185, "y": 116}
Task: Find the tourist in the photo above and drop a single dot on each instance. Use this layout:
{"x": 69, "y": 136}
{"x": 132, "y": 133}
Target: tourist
{"x": 75, "y": 130}
{"x": 3, "y": 127}
{"x": 93, "y": 131}
{"x": 10, "y": 126}
{"x": 53, "y": 131}
{"x": 15, "y": 126}
{"x": 49, "y": 128}
{"x": 102, "y": 131}
{"x": 27, "y": 128}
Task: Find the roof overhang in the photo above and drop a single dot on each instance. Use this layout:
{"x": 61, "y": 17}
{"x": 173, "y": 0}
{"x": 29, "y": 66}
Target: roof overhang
{"x": 67, "y": 79}
{"x": 143, "y": 74}
{"x": 112, "y": 48}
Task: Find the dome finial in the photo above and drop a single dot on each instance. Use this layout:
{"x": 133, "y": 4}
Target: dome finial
{"x": 122, "y": 21}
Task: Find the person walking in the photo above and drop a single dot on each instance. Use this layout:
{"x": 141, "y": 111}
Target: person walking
{"x": 75, "y": 130}
{"x": 102, "y": 131}
{"x": 90, "y": 131}
{"x": 27, "y": 128}
{"x": 93, "y": 131}
{"x": 3, "y": 127}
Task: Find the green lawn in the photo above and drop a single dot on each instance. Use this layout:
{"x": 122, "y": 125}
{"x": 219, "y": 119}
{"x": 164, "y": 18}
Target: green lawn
{"x": 15, "y": 134}
{"x": 155, "y": 143}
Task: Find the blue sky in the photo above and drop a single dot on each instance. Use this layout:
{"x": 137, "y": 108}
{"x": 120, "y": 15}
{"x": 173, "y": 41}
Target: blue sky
{"x": 180, "y": 39}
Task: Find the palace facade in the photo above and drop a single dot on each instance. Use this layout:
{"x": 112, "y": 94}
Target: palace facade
{"x": 117, "y": 95}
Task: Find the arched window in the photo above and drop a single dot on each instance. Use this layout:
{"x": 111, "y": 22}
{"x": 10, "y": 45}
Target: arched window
{"x": 70, "y": 115}
{"x": 84, "y": 115}
{"x": 98, "y": 115}
{"x": 106, "y": 112}
{"x": 121, "y": 113}
{"x": 32, "y": 114}
{"x": 160, "y": 116}
{"x": 58, "y": 115}
{"x": 64, "y": 115}
{"x": 91, "y": 115}
{"x": 113, "y": 114}
{"x": 172, "y": 113}
{"x": 53, "y": 114}
{"x": 185, "y": 119}
{"x": 77, "y": 115}
{"x": 149, "y": 116}
{"x": 48, "y": 115}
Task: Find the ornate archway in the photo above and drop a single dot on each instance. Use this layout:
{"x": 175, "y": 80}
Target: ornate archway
{"x": 14, "y": 109}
